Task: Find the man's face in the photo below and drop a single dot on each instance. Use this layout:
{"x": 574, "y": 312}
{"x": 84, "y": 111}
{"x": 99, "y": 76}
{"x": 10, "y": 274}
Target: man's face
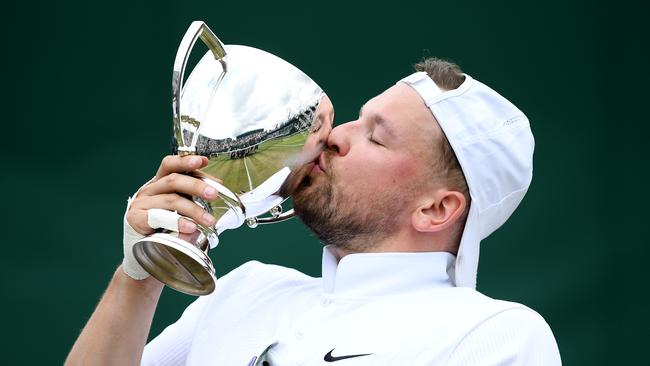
{"x": 365, "y": 185}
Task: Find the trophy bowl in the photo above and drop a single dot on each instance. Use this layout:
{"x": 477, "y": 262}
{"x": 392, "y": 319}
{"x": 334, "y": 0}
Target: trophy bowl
{"x": 261, "y": 122}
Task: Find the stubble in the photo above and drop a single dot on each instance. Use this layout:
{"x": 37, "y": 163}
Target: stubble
{"x": 350, "y": 222}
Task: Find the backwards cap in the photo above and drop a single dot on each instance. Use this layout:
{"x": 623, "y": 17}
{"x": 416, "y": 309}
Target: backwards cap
{"x": 494, "y": 145}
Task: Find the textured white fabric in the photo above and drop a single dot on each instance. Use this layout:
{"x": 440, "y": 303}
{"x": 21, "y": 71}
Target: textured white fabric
{"x": 499, "y": 341}
{"x": 158, "y": 218}
{"x": 400, "y": 308}
{"x": 494, "y": 146}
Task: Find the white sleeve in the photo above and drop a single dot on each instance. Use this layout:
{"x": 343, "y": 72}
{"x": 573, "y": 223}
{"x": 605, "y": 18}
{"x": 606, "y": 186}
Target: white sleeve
{"x": 513, "y": 337}
{"x": 171, "y": 347}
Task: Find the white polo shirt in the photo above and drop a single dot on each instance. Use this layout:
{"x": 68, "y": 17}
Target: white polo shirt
{"x": 369, "y": 309}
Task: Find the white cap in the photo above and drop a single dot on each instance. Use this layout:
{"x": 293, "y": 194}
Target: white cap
{"x": 494, "y": 146}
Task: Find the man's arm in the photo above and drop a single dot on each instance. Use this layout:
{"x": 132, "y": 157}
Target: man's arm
{"x": 117, "y": 331}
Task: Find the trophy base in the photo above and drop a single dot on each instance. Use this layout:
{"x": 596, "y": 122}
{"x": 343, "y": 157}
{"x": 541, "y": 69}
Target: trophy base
{"x": 176, "y": 263}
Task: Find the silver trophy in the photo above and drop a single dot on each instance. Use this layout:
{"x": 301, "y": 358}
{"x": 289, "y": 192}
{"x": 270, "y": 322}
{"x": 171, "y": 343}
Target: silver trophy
{"x": 261, "y": 122}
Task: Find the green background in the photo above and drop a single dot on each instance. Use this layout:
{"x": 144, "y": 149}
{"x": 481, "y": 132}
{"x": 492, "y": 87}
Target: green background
{"x": 87, "y": 111}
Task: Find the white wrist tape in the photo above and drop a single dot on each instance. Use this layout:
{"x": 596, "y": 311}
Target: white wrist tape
{"x": 130, "y": 265}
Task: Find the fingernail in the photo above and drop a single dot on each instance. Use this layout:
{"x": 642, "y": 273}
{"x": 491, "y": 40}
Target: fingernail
{"x": 208, "y": 219}
{"x": 188, "y": 226}
{"x": 209, "y": 192}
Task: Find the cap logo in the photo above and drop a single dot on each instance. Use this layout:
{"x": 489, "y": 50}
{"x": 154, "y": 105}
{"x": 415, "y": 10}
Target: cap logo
{"x": 513, "y": 120}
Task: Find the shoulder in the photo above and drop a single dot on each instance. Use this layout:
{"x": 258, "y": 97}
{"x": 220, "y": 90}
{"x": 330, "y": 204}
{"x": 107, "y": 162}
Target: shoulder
{"x": 254, "y": 279}
{"x": 240, "y": 303}
{"x": 263, "y": 274}
{"x": 251, "y": 290}
{"x": 514, "y": 321}
{"x": 493, "y": 314}
{"x": 467, "y": 303}
{"x": 507, "y": 332}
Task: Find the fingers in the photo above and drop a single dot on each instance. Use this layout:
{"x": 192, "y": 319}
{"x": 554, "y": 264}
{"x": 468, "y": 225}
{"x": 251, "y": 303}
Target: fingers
{"x": 174, "y": 202}
{"x": 137, "y": 219}
{"x": 176, "y": 177}
{"x": 159, "y": 218}
{"x": 202, "y": 175}
{"x": 180, "y": 164}
{"x": 180, "y": 183}
{"x": 186, "y": 226}
{"x": 169, "y": 220}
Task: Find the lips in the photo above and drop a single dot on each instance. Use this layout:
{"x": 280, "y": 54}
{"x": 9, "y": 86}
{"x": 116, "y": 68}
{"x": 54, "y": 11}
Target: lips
{"x": 314, "y": 168}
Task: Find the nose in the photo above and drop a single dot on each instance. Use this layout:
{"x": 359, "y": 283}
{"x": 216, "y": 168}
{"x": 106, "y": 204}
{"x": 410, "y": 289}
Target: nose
{"x": 339, "y": 139}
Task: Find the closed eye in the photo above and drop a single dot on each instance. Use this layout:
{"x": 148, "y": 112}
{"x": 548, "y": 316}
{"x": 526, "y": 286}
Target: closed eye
{"x": 375, "y": 141}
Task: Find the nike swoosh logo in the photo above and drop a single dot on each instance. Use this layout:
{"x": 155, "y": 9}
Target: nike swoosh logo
{"x": 329, "y": 358}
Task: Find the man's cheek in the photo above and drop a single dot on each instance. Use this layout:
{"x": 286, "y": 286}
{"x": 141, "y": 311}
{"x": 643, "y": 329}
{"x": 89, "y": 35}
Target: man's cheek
{"x": 405, "y": 169}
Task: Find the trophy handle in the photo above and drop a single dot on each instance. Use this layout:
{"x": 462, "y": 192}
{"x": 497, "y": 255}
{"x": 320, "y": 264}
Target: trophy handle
{"x": 237, "y": 210}
{"x": 197, "y": 29}
{"x": 252, "y": 222}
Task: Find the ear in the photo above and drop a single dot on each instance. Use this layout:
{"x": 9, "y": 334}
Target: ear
{"x": 438, "y": 211}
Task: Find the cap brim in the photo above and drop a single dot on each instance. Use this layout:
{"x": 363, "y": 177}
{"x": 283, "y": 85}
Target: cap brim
{"x": 466, "y": 267}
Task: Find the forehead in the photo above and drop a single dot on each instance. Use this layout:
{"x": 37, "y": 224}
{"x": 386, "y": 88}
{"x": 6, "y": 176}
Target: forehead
{"x": 404, "y": 112}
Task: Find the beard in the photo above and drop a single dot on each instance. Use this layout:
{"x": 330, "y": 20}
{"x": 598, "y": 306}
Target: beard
{"x": 350, "y": 222}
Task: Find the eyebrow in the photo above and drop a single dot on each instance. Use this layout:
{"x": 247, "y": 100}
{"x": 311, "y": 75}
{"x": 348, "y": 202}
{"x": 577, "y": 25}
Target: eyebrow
{"x": 380, "y": 121}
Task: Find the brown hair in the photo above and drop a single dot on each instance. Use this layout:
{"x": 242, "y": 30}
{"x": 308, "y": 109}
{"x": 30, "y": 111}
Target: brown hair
{"x": 446, "y": 168}
{"x": 447, "y": 75}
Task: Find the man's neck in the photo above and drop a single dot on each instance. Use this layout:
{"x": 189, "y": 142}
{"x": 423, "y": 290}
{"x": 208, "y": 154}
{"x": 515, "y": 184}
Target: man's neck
{"x": 411, "y": 242}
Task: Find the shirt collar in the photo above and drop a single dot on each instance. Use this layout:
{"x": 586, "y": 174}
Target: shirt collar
{"x": 378, "y": 274}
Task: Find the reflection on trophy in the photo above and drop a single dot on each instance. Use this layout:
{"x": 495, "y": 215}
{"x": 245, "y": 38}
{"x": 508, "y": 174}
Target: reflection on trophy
{"x": 260, "y": 121}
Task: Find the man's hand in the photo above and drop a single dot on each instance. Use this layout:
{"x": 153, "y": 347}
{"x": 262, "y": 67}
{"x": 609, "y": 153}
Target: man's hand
{"x": 163, "y": 202}
{"x": 117, "y": 331}
{"x": 171, "y": 190}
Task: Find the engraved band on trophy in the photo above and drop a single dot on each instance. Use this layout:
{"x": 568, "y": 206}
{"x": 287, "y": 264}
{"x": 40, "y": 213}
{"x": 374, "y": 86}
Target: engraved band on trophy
{"x": 260, "y": 121}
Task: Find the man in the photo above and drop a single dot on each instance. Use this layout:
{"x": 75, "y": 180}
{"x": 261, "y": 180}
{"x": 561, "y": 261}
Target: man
{"x": 402, "y": 196}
